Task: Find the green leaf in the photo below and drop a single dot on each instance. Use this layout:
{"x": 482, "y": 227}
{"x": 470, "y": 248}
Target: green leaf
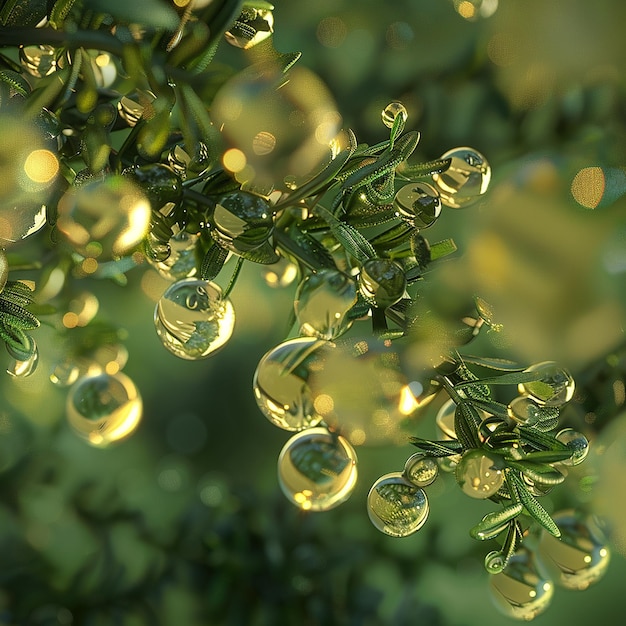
{"x": 424, "y": 169}
{"x": 16, "y": 81}
{"x": 22, "y": 12}
{"x": 535, "y": 510}
{"x": 495, "y": 523}
{"x": 512, "y": 540}
{"x": 538, "y": 472}
{"x": 213, "y": 262}
{"x": 466, "y": 421}
{"x": 393, "y": 237}
{"x": 60, "y": 11}
{"x": 538, "y": 440}
{"x": 512, "y": 378}
{"x": 548, "y": 456}
{"x": 437, "y": 448}
{"x": 442, "y": 249}
{"x": 503, "y": 365}
{"x": 492, "y": 407}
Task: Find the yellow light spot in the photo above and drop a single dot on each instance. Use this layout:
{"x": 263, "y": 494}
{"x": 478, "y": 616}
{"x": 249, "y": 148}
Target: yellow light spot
{"x": 112, "y": 368}
{"x": 587, "y": 558}
{"x": 41, "y": 166}
{"x": 407, "y": 403}
{"x": 532, "y": 593}
{"x": 323, "y": 404}
{"x": 103, "y": 59}
{"x": 588, "y": 187}
{"x": 358, "y": 437}
{"x": 466, "y": 9}
{"x": 70, "y": 320}
{"x": 89, "y": 266}
{"x": 234, "y": 160}
{"x": 619, "y": 392}
{"x": 181, "y": 3}
{"x": 547, "y": 586}
{"x": 153, "y": 285}
{"x": 503, "y": 49}
{"x": 603, "y": 552}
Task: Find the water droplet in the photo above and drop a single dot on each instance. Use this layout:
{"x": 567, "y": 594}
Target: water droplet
{"x": 466, "y": 180}
{"x": 103, "y": 409}
{"x": 281, "y": 383}
{"x": 280, "y": 274}
{"x": 131, "y": 108}
{"x": 445, "y": 419}
{"x": 65, "y": 373}
{"x": 251, "y": 28}
{"x": 391, "y": 111}
{"x": 520, "y": 591}
{"x": 397, "y": 507}
{"x": 192, "y": 319}
{"x": 181, "y": 260}
{"x": 580, "y": 557}
{"x": 23, "y": 369}
{"x": 322, "y": 302}
{"x": 477, "y": 475}
{"x": 38, "y": 61}
{"x": 523, "y": 410}
{"x": 554, "y": 385}
{"x": 575, "y": 441}
{"x": 295, "y": 108}
{"x": 317, "y": 470}
{"x": 421, "y": 470}
{"x": 494, "y": 560}
{"x": 104, "y": 219}
{"x": 382, "y": 282}
{"x": 418, "y": 203}
{"x": 242, "y": 221}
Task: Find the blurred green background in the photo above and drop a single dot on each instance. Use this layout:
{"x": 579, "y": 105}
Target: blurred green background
{"x": 183, "y": 523}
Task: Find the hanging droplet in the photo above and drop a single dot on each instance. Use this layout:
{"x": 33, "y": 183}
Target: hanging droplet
{"x": 391, "y": 111}
{"x": 575, "y": 441}
{"x": 466, "y": 180}
{"x": 181, "y": 260}
{"x": 520, "y": 591}
{"x": 382, "y": 282}
{"x": 38, "y": 61}
{"x": 280, "y": 274}
{"x": 477, "y": 475}
{"x": 192, "y": 319}
{"x": 322, "y": 302}
{"x": 23, "y": 369}
{"x": 281, "y": 383}
{"x": 554, "y": 385}
{"x": 65, "y": 372}
{"x": 292, "y": 113}
{"x": 421, "y": 470}
{"x": 397, "y": 507}
{"x": 317, "y": 470}
{"x": 131, "y": 108}
{"x": 418, "y": 203}
{"x": 4, "y": 269}
{"x": 580, "y": 557}
{"x": 242, "y": 221}
{"x": 104, "y": 219}
{"x": 494, "y": 560}
{"x": 251, "y": 28}
{"x": 523, "y": 410}
{"x": 103, "y": 409}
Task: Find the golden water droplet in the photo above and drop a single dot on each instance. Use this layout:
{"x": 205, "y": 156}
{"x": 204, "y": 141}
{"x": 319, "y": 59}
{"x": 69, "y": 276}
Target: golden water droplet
{"x": 580, "y": 557}
{"x": 193, "y": 320}
{"x": 418, "y": 203}
{"x": 520, "y": 591}
{"x": 575, "y": 441}
{"x": 23, "y": 369}
{"x": 103, "y": 409}
{"x": 554, "y": 385}
{"x": 131, "y": 108}
{"x": 181, "y": 261}
{"x": 421, "y": 470}
{"x": 251, "y": 28}
{"x": 391, "y": 111}
{"x": 477, "y": 475}
{"x": 38, "y": 61}
{"x": 280, "y": 274}
{"x": 317, "y": 470}
{"x": 104, "y": 219}
{"x": 281, "y": 383}
{"x": 397, "y": 507}
{"x": 466, "y": 180}
{"x": 523, "y": 410}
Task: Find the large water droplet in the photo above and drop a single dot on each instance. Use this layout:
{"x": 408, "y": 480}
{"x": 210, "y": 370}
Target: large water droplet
{"x": 477, "y": 475}
{"x": 421, "y": 470}
{"x": 418, "y": 203}
{"x": 397, "y": 507}
{"x": 193, "y": 320}
{"x": 317, "y": 470}
{"x": 382, "y": 282}
{"x": 466, "y": 180}
{"x": 103, "y": 409}
{"x": 281, "y": 383}
{"x": 391, "y": 111}
{"x": 580, "y": 557}
{"x": 322, "y": 302}
{"x": 577, "y": 442}
{"x": 554, "y": 385}
{"x": 520, "y": 591}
